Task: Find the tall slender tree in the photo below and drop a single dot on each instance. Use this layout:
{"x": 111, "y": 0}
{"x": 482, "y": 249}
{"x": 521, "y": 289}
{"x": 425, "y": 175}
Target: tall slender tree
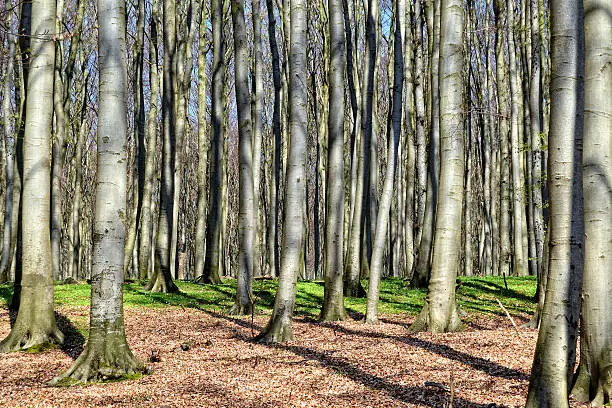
{"x": 279, "y": 327}
{"x": 594, "y": 379}
{"x": 107, "y": 354}
{"x": 555, "y": 353}
{"x": 244, "y": 295}
{"x": 439, "y": 313}
{"x": 35, "y": 324}
{"x": 387, "y": 193}
{"x": 214, "y": 223}
{"x": 333, "y": 302}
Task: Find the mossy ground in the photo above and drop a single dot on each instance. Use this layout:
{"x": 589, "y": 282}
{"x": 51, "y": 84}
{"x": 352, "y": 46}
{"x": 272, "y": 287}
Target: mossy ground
{"x": 474, "y": 294}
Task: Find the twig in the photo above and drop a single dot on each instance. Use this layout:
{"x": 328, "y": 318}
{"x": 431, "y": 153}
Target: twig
{"x": 509, "y": 317}
{"x": 505, "y": 283}
{"x": 452, "y": 389}
{"x": 437, "y": 385}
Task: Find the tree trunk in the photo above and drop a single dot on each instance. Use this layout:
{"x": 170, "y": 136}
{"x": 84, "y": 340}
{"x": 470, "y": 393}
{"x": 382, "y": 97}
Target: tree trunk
{"x": 35, "y": 324}
{"x": 421, "y": 273}
{"x": 555, "y": 353}
{"x": 10, "y": 211}
{"x": 352, "y": 284}
{"x": 333, "y": 302}
{"x": 279, "y": 327}
{"x": 161, "y": 281}
{"x": 146, "y": 227}
{"x": 440, "y": 312}
{"x": 387, "y": 193}
{"x": 214, "y": 223}
{"x": 594, "y": 380}
{"x": 246, "y": 229}
{"x": 200, "y": 238}
{"x": 519, "y": 264}
{"x": 107, "y": 354}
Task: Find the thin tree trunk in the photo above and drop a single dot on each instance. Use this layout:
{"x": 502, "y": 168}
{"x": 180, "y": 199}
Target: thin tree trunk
{"x": 214, "y": 222}
{"x": 333, "y": 302}
{"x": 247, "y": 221}
{"x": 352, "y": 284}
{"x": 387, "y": 194}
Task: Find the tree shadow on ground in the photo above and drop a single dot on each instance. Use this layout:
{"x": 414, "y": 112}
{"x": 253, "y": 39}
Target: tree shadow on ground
{"x": 424, "y": 396}
{"x": 495, "y": 289}
{"x": 478, "y": 363}
{"x": 74, "y": 340}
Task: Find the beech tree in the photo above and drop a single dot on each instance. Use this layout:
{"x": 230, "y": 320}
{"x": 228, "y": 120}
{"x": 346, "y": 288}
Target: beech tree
{"x": 279, "y": 327}
{"x": 333, "y": 302}
{"x": 107, "y": 354}
{"x": 594, "y": 378}
{"x": 440, "y": 314}
{"x": 35, "y": 325}
{"x": 555, "y": 353}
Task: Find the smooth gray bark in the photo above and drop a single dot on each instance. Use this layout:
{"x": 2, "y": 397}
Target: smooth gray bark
{"x": 594, "y": 380}
{"x": 35, "y": 324}
{"x": 555, "y": 353}
{"x": 246, "y": 227}
{"x": 439, "y": 313}
{"x": 333, "y": 302}
{"x": 279, "y": 327}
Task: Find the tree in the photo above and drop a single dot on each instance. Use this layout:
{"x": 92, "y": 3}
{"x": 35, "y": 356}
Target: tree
{"x": 35, "y": 325}
{"x": 161, "y": 281}
{"x": 333, "y": 302}
{"x": 439, "y": 313}
{"x": 149, "y": 170}
{"x": 244, "y": 295}
{"x": 555, "y": 353}
{"x": 214, "y": 223}
{"x": 352, "y": 284}
{"x": 279, "y": 327}
{"x": 387, "y": 194}
{"x": 594, "y": 379}
{"x": 107, "y": 354}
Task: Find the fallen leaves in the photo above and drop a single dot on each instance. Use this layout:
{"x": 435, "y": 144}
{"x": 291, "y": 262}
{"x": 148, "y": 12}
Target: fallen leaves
{"x": 330, "y": 364}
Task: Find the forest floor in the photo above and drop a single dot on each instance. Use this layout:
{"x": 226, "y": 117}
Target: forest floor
{"x": 328, "y": 365}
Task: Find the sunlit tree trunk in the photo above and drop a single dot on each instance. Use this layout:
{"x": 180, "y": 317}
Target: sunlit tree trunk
{"x": 422, "y": 268}
{"x": 387, "y": 193}
{"x": 352, "y": 284}
{"x": 161, "y": 280}
{"x": 200, "y": 238}
{"x": 279, "y": 327}
{"x": 594, "y": 381}
{"x": 246, "y": 228}
{"x": 440, "y": 312}
{"x": 107, "y": 354}
{"x": 333, "y": 302}
{"x": 9, "y": 146}
{"x": 555, "y": 353}
{"x": 35, "y": 324}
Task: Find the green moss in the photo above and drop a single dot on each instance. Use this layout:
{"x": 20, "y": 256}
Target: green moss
{"x": 124, "y": 377}
{"x": 39, "y": 348}
{"x": 67, "y": 382}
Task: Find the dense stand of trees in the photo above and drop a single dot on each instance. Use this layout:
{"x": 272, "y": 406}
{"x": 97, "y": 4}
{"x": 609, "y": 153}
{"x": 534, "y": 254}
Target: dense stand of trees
{"x": 336, "y": 140}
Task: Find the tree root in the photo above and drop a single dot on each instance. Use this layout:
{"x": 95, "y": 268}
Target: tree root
{"x": 32, "y": 340}
{"x": 101, "y": 366}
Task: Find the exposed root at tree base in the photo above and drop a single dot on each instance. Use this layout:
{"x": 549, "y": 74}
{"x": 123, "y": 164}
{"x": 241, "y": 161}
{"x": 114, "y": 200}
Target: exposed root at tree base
{"x": 32, "y": 341}
{"x": 93, "y": 366}
{"x": 423, "y": 322}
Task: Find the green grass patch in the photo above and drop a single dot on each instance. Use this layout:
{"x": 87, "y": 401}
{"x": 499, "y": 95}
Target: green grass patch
{"x": 474, "y": 294}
